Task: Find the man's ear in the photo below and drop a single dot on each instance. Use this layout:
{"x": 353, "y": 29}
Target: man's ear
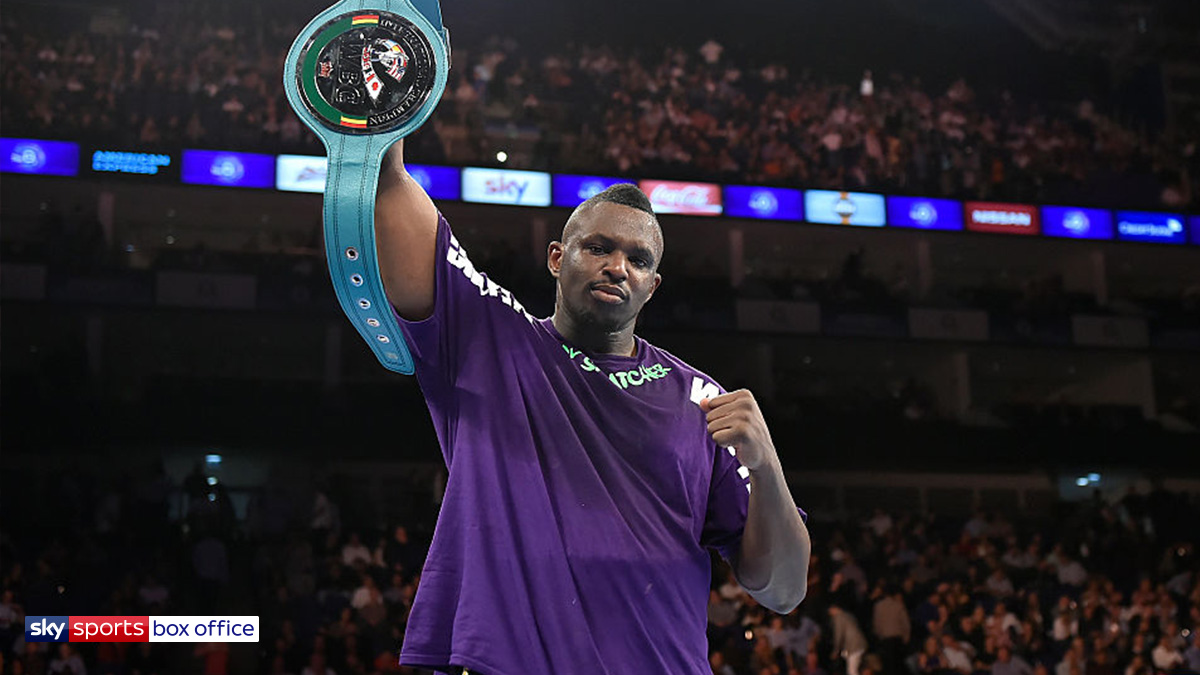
{"x": 657, "y": 283}
{"x": 554, "y": 256}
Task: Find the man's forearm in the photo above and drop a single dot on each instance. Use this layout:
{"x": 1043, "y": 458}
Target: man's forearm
{"x": 773, "y": 562}
{"x": 406, "y": 223}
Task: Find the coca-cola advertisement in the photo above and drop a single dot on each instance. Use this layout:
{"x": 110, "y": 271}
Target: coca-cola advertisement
{"x": 696, "y": 199}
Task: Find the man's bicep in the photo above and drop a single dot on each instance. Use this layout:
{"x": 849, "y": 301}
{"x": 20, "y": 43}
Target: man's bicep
{"x": 406, "y": 226}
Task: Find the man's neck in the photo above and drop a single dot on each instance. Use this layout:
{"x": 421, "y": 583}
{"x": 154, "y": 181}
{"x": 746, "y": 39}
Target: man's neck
{"x": 619, "y": 342}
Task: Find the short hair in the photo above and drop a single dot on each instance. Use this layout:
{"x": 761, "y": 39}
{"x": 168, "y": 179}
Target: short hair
{"x": 625, "y": 194}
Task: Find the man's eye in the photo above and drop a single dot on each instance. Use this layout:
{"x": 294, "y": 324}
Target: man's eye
{"x": 639, "y": 262}
{"x": 595, "y": 248}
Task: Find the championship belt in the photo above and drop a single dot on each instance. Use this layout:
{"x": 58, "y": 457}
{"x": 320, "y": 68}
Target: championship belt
{"x": 362, "y": 75}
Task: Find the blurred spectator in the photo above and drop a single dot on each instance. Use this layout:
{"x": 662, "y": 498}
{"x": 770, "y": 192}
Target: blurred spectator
{"x": 355, "y": 553}
{"x": 66, "y": 661}
{"x": 1008, "y": 664}
{"x": 848, "y": 641}
{"x": 1166, "y": 656}
{"x": 214, "y": 657}
{"x": 892, "y": 628}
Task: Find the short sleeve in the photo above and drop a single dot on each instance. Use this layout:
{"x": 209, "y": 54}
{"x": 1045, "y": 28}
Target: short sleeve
{"x": 728, "y": 503}
{"x": 469, "y": 311}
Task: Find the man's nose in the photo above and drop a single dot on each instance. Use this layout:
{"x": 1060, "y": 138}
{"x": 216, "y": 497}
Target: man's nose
{"x": 616, "y": 267}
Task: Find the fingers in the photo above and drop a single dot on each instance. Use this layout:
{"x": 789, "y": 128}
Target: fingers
{"x": 726, "y": 398}
{"x": 730, "y": 417}
{"x": 726, "y": 422}
{"x": 729, "y": 430}
{"x": 727, "y": 438}
{"x": 729, "y": 404}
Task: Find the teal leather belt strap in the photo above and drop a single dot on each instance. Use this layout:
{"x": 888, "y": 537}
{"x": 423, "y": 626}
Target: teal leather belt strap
{"x": 362, "y": 75}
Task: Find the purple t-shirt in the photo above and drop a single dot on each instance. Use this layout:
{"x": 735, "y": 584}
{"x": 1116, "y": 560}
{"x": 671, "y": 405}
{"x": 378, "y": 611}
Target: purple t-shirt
{"x": 583, "y": 493}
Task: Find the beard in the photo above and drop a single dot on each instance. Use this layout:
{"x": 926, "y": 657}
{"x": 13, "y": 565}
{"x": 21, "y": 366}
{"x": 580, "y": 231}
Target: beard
{"x": 596, "y": 318}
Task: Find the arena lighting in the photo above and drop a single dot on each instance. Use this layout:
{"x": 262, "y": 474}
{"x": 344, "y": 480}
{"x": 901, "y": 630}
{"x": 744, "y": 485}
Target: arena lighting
{"x": 1082, "y": 481}
{"x": 502, "y": 156}
{"x": 1093, "y": 478}
{"x": 212, "y": 459}
{"x": 212, "y": 480}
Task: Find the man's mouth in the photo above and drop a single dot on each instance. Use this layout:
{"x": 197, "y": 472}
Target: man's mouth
{"x": 608, "y": 293}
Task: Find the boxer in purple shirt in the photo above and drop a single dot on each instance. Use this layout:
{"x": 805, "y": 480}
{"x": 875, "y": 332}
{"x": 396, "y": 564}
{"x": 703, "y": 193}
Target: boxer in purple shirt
{"x": 589, "y": 471}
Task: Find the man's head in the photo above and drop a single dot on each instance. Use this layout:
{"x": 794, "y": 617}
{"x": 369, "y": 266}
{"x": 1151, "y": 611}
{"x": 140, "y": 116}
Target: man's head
{"x": 607, "y": 261}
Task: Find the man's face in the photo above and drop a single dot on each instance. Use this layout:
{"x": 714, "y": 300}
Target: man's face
{"x": 607, "y": 267}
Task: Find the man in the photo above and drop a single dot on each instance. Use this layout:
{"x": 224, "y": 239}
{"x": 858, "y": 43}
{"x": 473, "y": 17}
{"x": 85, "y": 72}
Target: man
{"x": 588, "y": 468}
{"x": 890, "y": 622}
{"x": 1008, "y": 663}
{"x": 848, "y": 641}
{"x": 956, "y": 655}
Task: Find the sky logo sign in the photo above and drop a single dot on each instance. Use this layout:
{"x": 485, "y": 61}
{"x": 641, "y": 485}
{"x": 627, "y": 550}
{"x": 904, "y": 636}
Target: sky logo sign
{"x": 46, "y": 628}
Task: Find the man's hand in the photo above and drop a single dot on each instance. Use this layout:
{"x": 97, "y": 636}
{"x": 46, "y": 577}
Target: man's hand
{"x": 734, "y": 420}
{"x": 772, "y": 564}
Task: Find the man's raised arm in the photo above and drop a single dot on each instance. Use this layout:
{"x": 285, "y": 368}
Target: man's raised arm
{"x": 406, "y": 224}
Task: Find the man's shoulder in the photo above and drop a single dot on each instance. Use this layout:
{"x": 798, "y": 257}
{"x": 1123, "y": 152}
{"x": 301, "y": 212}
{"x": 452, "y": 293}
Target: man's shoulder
{"x": 678, "y": 366}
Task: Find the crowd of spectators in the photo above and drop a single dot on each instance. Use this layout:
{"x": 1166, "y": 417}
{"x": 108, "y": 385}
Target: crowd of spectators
{"x": 1097, "y": 588}
{"x": 1109, "y": 588}
{"x": 188, "y": 75}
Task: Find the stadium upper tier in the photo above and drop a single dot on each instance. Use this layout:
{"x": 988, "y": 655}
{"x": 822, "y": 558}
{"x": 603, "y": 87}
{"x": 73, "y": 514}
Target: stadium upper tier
{"x": 702, "y": 112}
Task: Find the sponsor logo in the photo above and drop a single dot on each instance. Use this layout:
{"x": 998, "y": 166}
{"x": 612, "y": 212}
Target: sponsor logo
{"x": 502, "y": 186}
{"x": 764, "y": 203}
{"x": 301, "y": 173}
{"x": 1166, "y": 230}
{"x": 1002, "y": 218}
{"x": 844, "y": 208}
{"x": 685, "y": 198}
{"x": 589, "y": 189}
{"x": 498, "y": 186}
{"x": 923, "y": 214}
{"x": 1076, "y": 221}
{"x": 129, "y": 162}
{"x": 28, "y": 157}
{"x": 46, "y": 628}
{"x": 227, "y": 169}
